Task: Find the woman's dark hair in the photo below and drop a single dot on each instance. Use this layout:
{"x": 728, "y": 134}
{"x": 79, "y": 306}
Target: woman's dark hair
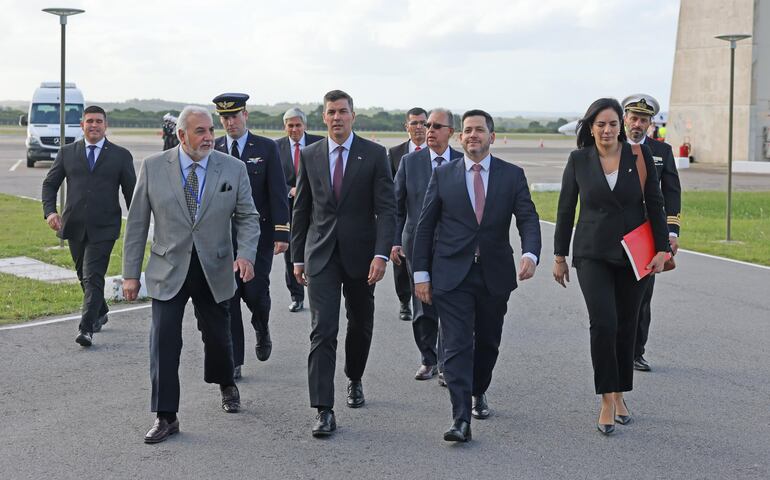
{"x": 584, "y": 138}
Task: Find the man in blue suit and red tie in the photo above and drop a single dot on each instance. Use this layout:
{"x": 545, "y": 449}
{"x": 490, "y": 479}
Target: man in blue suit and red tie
{"x": 463, "y": 260}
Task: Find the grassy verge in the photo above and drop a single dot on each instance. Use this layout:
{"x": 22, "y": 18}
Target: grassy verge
{"x": 703, "y": 223}
{"x": 25, "y": 233}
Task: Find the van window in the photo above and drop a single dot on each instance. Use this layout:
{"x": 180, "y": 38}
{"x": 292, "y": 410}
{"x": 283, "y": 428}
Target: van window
{"x": 49, "y": 113}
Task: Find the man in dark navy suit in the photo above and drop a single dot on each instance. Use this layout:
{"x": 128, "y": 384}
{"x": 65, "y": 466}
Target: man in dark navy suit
{"x": 411, "y": 181}
{"x": 463, "y": 260}
{"x": 289, "y": 147}
{"x": 415, "y": 126}
{"x": 639, "y": 110}
{"x": 268, "y": 189}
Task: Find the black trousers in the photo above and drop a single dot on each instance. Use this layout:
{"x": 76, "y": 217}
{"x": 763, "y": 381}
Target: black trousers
{"x": 324, "y": 292}
{"x": 612, "y": 295}
{"x": 296, "y": 289}
{"x": 401, "y": 280}
{"x": 91, "y": 262}
{"x": 471, "y": 326}
{"x": 425, "y": 328}
{"x": 166, "y": 339}
{"x": 256, "y": 294}
{"x": 643, "y": 330}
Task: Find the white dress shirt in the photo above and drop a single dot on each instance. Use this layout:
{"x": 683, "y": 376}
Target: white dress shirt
{"x": 434, "y": 156}
{"x": 99, "y": 145}
{"x": 185, "y": 163}
{"x": 241, "y": 142}
{"x": 413, "y": 146}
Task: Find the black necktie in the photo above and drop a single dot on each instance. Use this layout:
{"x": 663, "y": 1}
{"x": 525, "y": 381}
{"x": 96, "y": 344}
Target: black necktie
{"x": 91, "y": 157}
{"x": 439, "y": 160}
{"x": 191, "y": 192}
{"x": 234, "y": 150}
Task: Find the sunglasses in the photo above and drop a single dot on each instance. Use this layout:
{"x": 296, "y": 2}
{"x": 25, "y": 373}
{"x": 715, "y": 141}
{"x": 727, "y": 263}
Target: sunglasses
{"x": 436, "y": 125}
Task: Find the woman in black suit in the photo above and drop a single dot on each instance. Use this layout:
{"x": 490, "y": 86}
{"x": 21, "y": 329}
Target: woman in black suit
{"x": 602, "y": 173}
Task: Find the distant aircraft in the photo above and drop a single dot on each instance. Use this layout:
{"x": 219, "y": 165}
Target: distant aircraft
{"x": 569, "y": 128}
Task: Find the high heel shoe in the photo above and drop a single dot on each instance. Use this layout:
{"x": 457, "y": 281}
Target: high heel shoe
{"x": 623, "y": 419}
{"x": 605, "y": 429}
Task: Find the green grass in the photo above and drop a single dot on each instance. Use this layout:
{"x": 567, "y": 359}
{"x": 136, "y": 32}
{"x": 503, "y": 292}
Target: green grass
{"x": 703, "y": 223}
{"x": 25, "y": 233}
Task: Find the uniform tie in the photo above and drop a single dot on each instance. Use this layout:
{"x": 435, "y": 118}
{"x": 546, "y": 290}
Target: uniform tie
{"x": 234, "y": 150}
{"x": 191, "y": 191}
{"x": 478, "y": 191}
{"x": 439, "y": 161}
{"x": 91, "y": 157}
{"x": 296, "y": 158}
{"x": 338, "y": 173}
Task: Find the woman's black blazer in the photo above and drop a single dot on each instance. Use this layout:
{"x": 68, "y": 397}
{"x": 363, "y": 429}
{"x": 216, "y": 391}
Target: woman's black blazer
{"x": 606, "y": 215}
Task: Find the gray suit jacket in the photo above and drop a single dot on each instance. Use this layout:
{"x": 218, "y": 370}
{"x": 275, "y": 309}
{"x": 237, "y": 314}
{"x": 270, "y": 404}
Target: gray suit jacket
{"x": 411, "y": 181}
{"x": 226, "y": 197}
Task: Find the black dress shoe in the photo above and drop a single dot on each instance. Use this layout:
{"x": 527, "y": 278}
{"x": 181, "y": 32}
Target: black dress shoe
{"x": 641, "y": 364}
{"x": 85, "y": 339}
{"x": 325, "y": 423}
{"x": 460, "y": 431}
{"x": 480, "y": 407}
{"x": 264, "y": 344}
{"x": 296, "y": 306}
{"x": 426, "y": 372}
{"x": 231, "y": 399}
{"x": 624, "y": 419}
{"x": 605, "y": 429}
{"x": 355, "y": 394}
{"x": 99, "y": 323}
{"x": 405, "y": 313}
{"x": 161, "y": 430}
{"x": 237, "y": 372}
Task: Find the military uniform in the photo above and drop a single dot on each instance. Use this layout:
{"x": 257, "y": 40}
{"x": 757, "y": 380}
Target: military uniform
{"x": 268, "y": 189}
{"x": 665, "y": 166}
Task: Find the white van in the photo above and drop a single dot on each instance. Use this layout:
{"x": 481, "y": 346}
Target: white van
{"x": 43, "y": 127}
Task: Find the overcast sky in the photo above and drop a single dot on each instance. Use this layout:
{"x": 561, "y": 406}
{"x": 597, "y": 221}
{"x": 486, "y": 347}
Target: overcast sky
{"x": 499, "y": 55}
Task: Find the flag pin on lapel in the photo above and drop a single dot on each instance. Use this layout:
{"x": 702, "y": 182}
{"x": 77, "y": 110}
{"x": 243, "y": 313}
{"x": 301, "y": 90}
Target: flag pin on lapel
{"x": 359, "y": 158}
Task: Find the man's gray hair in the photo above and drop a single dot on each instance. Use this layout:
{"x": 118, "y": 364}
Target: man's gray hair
{"x": 450, "y": 118}
{"x": 181, "y": 123}
{"x": 294, "y": 112}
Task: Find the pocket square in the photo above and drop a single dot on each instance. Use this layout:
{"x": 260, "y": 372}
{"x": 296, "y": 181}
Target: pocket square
{"x": 226, "y": 187}
{"x": 255, "y": 160}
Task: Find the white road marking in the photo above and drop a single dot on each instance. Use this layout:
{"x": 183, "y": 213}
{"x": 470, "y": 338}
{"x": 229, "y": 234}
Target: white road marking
{"x": 72, "y": 317}
{"x": 16, "y": 165}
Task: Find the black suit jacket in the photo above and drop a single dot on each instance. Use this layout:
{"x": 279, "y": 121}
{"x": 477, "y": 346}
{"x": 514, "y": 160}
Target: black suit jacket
{"x": 361, "y": 225}
{"x": 606, "y": 215}
{"x": 268, "y": 187}
{"x": 287, "y": 156}
{"x": 447, "y": 215}
{"x": 669, "y": 181}
{"x": 92, "y": 206}
{"x": 411, "y": 183}
{"x": 396, "y": 153}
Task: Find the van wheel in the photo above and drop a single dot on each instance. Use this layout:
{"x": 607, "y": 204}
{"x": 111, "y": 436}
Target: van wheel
{"x": 30, "y": 162}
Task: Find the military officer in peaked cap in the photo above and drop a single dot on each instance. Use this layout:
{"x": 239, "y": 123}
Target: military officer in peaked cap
{"x": 268, "y": 189}
{"x": 639, "y": 110}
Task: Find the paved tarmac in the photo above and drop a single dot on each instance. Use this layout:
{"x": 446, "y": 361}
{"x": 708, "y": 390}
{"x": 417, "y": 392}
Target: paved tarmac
{"x": 68, "y": 412}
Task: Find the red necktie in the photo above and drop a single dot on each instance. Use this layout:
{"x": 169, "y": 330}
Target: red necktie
{"x": 417, "y": 148}
{"x": 296, "y": 158}
{"x": 338, "y": 172}
{"x": 478, "y": 191}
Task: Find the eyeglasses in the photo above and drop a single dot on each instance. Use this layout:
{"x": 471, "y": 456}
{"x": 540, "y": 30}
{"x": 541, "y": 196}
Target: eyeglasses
{"x": 436, "y": 125}
{"x": 415, "y": 123}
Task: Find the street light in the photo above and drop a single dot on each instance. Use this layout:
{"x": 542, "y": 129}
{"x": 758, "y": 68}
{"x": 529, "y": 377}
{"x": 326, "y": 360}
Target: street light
{"x": 62, "y": 13}
{"x": 733, "y": 39}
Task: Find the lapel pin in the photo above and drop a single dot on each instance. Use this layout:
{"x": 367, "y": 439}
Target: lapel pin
{"x": 629, "y": 170}
{"x": 359, "y": 158}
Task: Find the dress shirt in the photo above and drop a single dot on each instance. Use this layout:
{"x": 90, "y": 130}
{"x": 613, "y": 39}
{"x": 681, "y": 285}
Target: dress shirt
{"x": 421, "y": 277}
{"x": 99, "y": 145}
{"x": 612, "y": 179}
{"x": 292, "y": 143}
{"x": 241, "y": 142}
{"x": 434, "y": 155}
{"x": 185, "y": 161}
{"x": 413, "y": 146}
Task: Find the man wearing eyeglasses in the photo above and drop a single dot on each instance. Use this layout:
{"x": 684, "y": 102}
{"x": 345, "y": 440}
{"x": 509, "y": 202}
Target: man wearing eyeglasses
{"x": 415, "y": 126}
{"x": 412, "y": 180}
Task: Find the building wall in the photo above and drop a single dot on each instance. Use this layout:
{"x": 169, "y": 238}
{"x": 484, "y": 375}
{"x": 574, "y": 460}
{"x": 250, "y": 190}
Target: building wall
{"x": 699, "y": 103}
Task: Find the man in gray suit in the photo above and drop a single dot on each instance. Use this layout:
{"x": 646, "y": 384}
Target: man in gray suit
{"x": 411, "y": 181}
{"x": 193, "y": 193}
{"x": 340, "y": 240}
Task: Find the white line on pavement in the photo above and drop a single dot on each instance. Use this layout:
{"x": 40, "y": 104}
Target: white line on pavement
{"x": 72, "y": 317}
{"x": 16, "y": 165}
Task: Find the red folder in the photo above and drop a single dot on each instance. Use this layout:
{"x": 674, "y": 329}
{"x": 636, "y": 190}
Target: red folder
{"x": 640, "y": 248}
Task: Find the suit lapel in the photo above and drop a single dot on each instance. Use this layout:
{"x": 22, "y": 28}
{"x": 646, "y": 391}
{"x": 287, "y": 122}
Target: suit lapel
{"x": 597, "y": 172}
{"x": 492, "y": 187}
{"x": 626, "y": 169}
{"x": 426, "y": 167}
{"x": 213, "y": 170}
{"x": 351, "y": 170}
{"x": 103, "y": 155}
{"x": 322, "y": 161}
{"x": 459, "y": 179}
{"x": 174, "y": 173}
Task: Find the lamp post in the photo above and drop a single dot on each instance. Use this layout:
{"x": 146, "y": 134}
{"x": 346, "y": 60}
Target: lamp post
{"x": 733, "y": 39}
{"x": 62, "y": 13}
